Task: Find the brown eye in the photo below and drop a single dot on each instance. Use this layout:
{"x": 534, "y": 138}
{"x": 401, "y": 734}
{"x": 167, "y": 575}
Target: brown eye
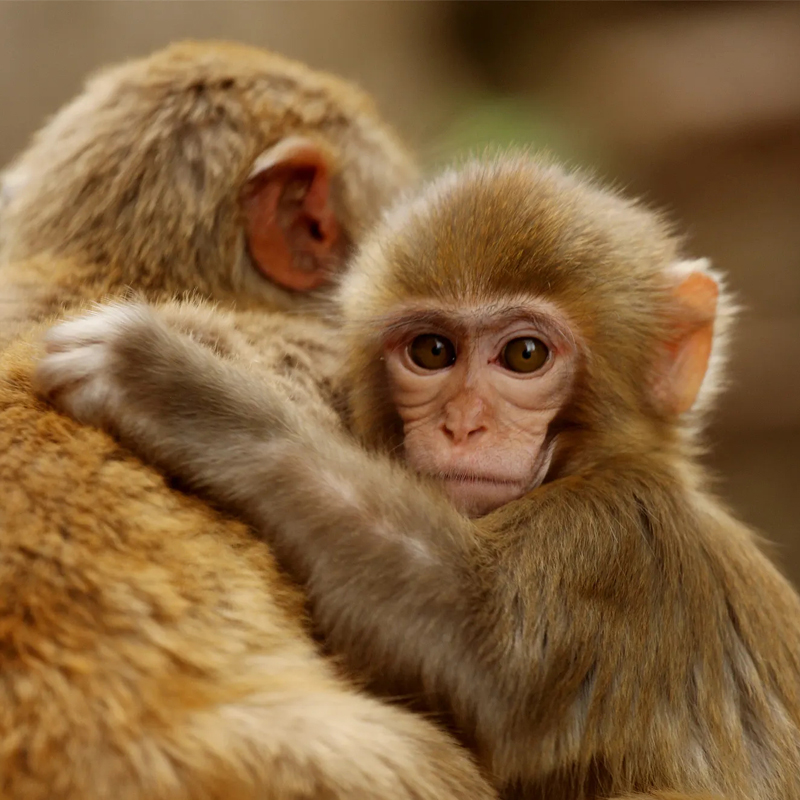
{"x": 430, "y": 351}
{"x": 524, "y": 355}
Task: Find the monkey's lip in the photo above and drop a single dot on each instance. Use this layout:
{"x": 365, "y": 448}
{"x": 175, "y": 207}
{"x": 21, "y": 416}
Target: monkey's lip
{"x": 484, "y": 480}
{"x": 476, "y": 495}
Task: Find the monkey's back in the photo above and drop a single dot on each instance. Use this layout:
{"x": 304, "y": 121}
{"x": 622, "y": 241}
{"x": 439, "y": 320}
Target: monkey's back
{"x": 128, "y": 609}
{"x": 150, "y": 648}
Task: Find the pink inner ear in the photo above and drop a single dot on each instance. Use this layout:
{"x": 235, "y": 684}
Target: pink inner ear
{"x": 689, "y": 368}
{"x": 266, "y": 242}
{"x": 688, "y": 351}
{"x": 291, "y": 240}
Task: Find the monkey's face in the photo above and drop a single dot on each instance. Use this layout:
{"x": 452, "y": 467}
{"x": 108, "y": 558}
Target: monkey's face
{"x": 511, "y": 303}
{"x": 476, "y": 389}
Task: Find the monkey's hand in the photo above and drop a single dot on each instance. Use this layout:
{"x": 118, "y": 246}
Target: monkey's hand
{"x": 77, "y": 372}
{"x": 123, "y": 367}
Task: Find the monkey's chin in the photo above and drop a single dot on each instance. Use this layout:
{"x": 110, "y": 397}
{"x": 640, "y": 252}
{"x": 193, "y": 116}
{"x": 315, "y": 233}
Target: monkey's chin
{"x": 475, "y": 497}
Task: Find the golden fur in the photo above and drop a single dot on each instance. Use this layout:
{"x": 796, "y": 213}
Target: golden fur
{"x": 149, "y": 647}
{"x": 614, "y": 630}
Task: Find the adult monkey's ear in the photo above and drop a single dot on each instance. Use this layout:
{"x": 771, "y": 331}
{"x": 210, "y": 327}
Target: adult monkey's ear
{"x": 683, "y": 363}
{"x": 292, "y": 232}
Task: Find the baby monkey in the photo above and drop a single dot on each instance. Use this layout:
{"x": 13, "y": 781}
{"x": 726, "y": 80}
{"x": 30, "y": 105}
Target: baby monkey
{"x": 547, "y": 568}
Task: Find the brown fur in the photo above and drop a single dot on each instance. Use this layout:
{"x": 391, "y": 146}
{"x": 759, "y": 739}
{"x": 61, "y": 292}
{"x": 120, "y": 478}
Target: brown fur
{"x": 149, "y": 647}
{"x": 615, "y": 630}
{"x": 170, "y": 217}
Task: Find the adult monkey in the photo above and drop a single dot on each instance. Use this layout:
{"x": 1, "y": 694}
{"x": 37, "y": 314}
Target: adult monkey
{"x": 203, "y": 155}
{"x": 149, "y": 648}
{"x": 539, "y": 350}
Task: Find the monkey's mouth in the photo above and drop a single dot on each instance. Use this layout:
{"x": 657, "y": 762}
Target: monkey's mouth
{"x": 475, "y": 495}
{"x": 491, "y": 480}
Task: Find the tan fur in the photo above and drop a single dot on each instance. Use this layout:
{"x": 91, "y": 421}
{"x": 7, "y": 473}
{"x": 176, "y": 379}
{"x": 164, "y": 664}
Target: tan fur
{"x": 149, "y": 647}
{"x": 209, "y": 110}
{"x": 614, "y": 631}
{"x": 684, "y": 658}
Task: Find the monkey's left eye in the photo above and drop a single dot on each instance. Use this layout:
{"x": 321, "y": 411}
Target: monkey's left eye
{"x": 430, "y": 351}
{"x": 525, "y": 354}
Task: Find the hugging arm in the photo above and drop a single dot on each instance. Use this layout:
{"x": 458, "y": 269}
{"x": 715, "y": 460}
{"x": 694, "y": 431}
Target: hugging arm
{"x": 419, "y": 599}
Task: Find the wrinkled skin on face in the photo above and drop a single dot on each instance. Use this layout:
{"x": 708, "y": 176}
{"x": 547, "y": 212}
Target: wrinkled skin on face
{"x": 476, "y": 390}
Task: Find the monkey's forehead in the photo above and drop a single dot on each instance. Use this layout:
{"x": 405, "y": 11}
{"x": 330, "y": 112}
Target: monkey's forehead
{"x": 516, "y": 225}
{"x": 261, "y": 89}
{"x": 219, "y": 61}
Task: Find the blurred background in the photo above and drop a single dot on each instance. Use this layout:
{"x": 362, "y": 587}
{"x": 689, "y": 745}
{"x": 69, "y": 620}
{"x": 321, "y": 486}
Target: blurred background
{"x": 693, "y": 106}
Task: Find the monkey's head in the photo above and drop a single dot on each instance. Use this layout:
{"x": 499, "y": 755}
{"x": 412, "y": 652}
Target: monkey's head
{"x": 514, "y": 314}
{"x": 206, "y": 167}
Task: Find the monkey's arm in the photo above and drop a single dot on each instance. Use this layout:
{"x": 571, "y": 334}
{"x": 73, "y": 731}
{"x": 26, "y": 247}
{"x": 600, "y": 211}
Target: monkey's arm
{"x": 414, "y": 595}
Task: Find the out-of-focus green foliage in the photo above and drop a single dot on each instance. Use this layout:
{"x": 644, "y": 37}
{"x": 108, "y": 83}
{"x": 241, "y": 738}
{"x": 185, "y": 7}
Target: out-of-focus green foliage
{"x": 491, "y": 123}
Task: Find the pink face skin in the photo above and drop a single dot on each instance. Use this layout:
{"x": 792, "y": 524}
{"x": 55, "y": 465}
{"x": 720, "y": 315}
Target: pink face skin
{"x": 476, "y": 424}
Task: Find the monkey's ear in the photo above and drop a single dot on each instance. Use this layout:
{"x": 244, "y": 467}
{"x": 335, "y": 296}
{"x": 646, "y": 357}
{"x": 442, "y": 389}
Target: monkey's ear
{"x": 291, "y": 229}
{"x": 683, "y": 364}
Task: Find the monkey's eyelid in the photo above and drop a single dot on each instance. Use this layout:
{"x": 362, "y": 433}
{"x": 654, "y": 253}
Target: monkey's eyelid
{"x": 439, "y": 324}
{"x": 409, "y": 326}
{"x": 553, "y": 333}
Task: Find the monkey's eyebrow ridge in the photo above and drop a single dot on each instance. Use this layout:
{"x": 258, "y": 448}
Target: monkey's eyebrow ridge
{"x": 460, "y": 322}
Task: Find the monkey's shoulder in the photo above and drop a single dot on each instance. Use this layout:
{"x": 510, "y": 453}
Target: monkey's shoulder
{"x": 82, "y": 504}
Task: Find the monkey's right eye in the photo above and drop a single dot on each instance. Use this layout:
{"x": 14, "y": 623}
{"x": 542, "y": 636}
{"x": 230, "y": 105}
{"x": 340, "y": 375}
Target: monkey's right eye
{"x": 430, "y": 351}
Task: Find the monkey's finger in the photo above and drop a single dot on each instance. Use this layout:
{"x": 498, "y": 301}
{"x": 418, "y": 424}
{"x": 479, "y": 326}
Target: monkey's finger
{"x": 97, "y": 327}
{"x": 75, "y": 334}
{"x": 59, "y": 370}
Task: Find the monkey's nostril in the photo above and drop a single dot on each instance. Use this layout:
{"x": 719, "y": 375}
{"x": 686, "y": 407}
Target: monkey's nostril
{"x": 459, "y": 435}
{"x": 315, "y": 231}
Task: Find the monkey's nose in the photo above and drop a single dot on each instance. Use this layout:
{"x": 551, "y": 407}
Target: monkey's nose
{"x": 464, "y": 419}
{"x": 459, "y": 434}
